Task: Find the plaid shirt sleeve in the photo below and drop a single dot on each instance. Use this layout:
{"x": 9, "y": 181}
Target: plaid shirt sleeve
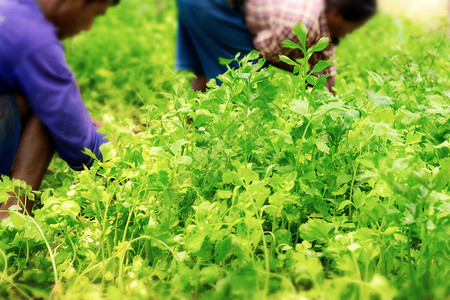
{"x": 272, "y": 22}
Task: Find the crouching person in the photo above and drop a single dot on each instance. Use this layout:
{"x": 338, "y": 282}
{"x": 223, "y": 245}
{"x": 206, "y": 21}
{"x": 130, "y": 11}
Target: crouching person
{"x": 41, "y": 109}
{"x": 209, "y": 29}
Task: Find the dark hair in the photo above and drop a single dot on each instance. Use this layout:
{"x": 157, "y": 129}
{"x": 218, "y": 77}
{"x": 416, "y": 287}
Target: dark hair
{"x": 114, "y": 2}
{"x": 354, "y": 10}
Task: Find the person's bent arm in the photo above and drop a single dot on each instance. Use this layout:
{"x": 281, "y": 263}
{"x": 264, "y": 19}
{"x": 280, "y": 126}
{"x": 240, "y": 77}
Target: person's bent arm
{"x": 50, "y": 87}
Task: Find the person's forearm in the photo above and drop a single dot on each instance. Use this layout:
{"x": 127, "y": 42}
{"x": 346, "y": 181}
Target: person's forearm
{"x": 34, "y": 153}
{"x": 32, "y": 159}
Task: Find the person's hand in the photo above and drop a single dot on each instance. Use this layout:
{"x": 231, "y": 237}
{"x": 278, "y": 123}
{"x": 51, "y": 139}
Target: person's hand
{"x": 97, "y": 123}
{"x": 4, "y": 210}
{"x": 4, "y": 207}
{"x": 331, "y": 84}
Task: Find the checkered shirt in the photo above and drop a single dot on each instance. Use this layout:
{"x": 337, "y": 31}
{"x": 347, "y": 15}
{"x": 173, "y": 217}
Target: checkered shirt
{"x": 272, "y": 21}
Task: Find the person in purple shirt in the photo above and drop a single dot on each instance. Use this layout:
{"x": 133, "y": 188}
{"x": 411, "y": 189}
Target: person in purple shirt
{"x": 41, "y": 109}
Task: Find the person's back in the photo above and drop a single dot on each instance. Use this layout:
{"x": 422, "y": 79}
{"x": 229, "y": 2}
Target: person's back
{"x": 41, "y": 109}
{"x": 23, "y": 30}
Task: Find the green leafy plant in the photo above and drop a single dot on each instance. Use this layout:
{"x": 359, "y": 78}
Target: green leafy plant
{"x": 301, "y": 66}
{"x": 276, "y": 189}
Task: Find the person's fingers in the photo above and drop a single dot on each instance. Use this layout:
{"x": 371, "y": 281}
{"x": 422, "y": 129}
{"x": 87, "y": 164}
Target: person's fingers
{"x": 198, "y": 83}
{"x": 97, "y": 123}
{"x": 23, "y": 203}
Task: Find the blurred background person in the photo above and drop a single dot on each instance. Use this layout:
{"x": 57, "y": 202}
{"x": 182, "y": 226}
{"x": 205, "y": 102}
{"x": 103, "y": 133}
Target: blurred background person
{"x": 210, "y": 29}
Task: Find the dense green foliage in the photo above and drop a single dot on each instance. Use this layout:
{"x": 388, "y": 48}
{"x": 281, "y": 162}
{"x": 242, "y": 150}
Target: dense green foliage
{"x": 273, "y": 191}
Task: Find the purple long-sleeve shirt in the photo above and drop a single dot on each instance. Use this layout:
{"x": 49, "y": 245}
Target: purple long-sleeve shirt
{"x": 33, "y": 64}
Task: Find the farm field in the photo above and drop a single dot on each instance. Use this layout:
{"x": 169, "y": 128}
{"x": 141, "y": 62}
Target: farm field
{"x": 274, "y": 191}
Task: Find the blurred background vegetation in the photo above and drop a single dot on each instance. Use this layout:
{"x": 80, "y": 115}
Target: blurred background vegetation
{"x": 126, "y": 61}
{"x": 425, "y": 11}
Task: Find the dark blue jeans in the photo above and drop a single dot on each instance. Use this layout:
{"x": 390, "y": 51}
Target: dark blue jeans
{"x": 10, "y": 129}
{"x": 207, "y": 30}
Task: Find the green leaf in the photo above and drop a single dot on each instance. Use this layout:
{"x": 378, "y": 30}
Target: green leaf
{"x": 210, "y": 274}
{"x": 194, "y": 243}
{"x": 176, "y": 147}
{"x": 253, "y": 55}
{"x": 430, "y": 225}
{"x": 223, "y": 194}
{"x": 341, "y": 191}
{"x": 383, "y": 101}
{"x": 108, "y": 151}
{"x": 301, "y": 32}
{"x": 320, "y": 82}
{"x": 260, "y": 193}
{"x": 23, "y": 224}
{"x": 183, "y": 160}
{"x": 300, "y": 106}
{"x": 413, "y": 138}
{"x": 377, "y": 78}
{"x": 343, "y": 178}
{"x": 322, "y": 146}
{"x": 283, "y": 236}
{"x": 321, "y": 45}
{"x": 231, "y": 177}
{"x": 445, "y": 144}
{"x": 291, "y": 45}
{"x": 322, "y": 65}
{"x": 344, "y": 204}
{"x": 287, "y": 137}
{"x": 178, "y": 123}
{"x": 287, "y": 60}
{"x": 311, "y": 80}
{"x": 353, "y": 247}
{"x": 248, "y": 175}
{"x": 227, "y": 247}
{"x": 225, "y": 61}
{"x": 316, "y": 230}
